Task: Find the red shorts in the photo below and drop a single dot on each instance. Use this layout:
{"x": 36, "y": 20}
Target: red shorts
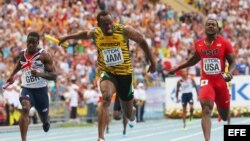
{"x": 215, "y": 90}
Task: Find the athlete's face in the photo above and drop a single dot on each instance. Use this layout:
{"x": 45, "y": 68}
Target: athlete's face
{"x": 106, "y": 25}
{"x": 211, "y": 27}
{"x": 184, "y": 73}
{"x": 32, "y": 43}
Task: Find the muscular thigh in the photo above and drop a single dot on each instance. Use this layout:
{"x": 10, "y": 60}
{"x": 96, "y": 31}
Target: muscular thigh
{"x": 121, "y": 84}
{"x": 108, "y": 84}
{"x": 222, "y": 96}
{"x": 207, "y": 91}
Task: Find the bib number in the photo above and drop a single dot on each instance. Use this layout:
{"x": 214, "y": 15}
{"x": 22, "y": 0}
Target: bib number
{"x": 204, "y": 82}
{"x": 212, "y": 66}
{"x": 113, "y": 56}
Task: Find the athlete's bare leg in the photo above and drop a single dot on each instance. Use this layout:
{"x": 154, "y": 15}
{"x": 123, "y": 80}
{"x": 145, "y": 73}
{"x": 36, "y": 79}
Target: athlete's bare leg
{"x": 116, "y": 116}
{"x": 229, "y": 118}
{"x": 128, "y": 110}
{"x": 24, "y": 119}
{"x": 224, "y": 114}
{"x": 107, "y": 127}
{"x": 107, "y": 89}
{"x": 184, "y": 115}
{"x": 191, "y": 110}
{"x": 207, "y": 107}
{"x": 125, "y": 122}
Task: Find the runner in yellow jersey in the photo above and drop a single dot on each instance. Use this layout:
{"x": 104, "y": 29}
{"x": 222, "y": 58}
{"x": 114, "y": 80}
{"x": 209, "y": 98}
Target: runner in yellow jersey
{"x": 114, "y": 64}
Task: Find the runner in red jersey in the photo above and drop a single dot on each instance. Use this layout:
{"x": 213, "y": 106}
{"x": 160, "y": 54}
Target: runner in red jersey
{"x": 212, "y": 51}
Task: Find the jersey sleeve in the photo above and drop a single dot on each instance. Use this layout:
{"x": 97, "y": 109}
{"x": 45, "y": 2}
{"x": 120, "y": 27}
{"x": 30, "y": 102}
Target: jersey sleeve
{"x": 228, "y": 48}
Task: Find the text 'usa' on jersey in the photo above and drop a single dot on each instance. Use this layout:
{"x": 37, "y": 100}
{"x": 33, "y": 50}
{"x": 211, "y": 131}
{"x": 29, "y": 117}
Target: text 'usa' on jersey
{"x": 213, "y": 57}
{"x": 32, "y": 62}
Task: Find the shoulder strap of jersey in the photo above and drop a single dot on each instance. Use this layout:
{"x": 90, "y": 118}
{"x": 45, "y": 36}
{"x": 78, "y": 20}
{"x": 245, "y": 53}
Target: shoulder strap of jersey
{"x": 97, "y": 32}
{"x": 37, "y": 54}
{"x": 119, "y": 28}
{"x": 41, "y": 50}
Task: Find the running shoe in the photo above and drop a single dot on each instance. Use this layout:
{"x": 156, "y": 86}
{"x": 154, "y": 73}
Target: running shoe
{"x": 46, "y": 127}
{"x": 184, "y": 129}
{"x": 131, "y": 124}
{"x": 124, "y": 133}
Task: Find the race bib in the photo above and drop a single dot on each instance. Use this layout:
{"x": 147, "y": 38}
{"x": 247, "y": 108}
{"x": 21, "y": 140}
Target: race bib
{"x": 211, "y": 65}
{"x": 113, "y": 56}
{"x": 28, "y": 78}
{"x": 204, "y": 82}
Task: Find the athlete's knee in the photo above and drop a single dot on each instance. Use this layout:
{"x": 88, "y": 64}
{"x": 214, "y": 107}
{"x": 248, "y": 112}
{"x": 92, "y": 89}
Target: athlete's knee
{"x": 207, "y": 110}
{"x": 106, "y": 100}
{"x": 25, "y": 110}
{"x": 25, "y": 107}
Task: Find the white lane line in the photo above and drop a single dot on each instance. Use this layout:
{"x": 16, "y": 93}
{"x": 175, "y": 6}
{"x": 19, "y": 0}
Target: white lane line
{"x": 167, "y": 124}
{"x": 36, "y": 134}
{"x": 59, "y": 132}
{"x": 158, "y": 133}
{"x": 116, "y": 133}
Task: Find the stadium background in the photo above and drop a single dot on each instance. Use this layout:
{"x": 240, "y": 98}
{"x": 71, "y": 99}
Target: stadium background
{"x": 170, "y": 27}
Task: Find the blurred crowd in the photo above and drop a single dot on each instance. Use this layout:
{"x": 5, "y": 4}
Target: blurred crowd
{"x": 170, "y": 35}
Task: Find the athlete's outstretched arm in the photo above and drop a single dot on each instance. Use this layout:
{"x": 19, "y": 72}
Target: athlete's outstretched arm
{"x": 136, "y": 36}
{"x": 80, "y": 35}
{"x": 50, "y": 73}
{"x": 192, "y": 61}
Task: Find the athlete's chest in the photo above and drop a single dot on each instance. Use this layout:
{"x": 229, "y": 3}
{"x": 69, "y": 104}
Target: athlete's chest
{"x": 186, "y": 84}
{"x": 215, "y": 50}
{"x": 29, "y": 63}
{"x": 104, "y": 42}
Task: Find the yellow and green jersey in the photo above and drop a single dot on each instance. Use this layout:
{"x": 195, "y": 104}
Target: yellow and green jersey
{"x": 113, "y": 51}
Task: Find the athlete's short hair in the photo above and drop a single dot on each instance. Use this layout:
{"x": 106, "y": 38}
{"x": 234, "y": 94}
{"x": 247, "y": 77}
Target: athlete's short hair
{"x": 100, "y": 14}
{"x": 213, "y": 20}
{"x": 34, "y": 34}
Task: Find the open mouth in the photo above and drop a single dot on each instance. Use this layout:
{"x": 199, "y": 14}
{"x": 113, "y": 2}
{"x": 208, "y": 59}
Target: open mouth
{"x": 211, "y": 30}
{"x": 109, "y": 30}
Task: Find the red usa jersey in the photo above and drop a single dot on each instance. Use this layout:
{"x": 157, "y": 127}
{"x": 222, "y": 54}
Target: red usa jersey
{"x": 213, "y": 57}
